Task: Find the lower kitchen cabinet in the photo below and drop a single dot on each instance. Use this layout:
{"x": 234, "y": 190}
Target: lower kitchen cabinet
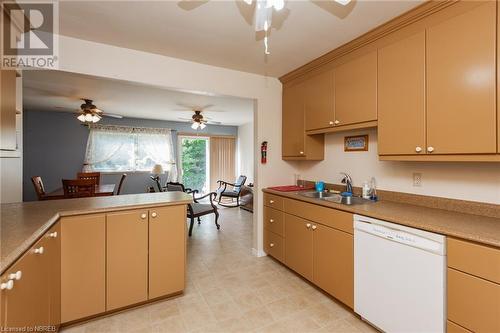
{"x": 28, "y": 302}
{"x": 53, "y": 252}
{"x": 126, "y": 258}
{"x": 83, "y": 266}
{"x": 167, "y": 250}
{"x": 299, "y": 245}
{"x": 333, "y": 263}
{"x": 274, "y": 245}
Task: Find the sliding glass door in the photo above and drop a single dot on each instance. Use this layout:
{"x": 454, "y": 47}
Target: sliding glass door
{"x": 194, "y": 156}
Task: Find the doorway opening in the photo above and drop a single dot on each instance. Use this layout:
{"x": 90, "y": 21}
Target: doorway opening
{"x": 195, "y": 162}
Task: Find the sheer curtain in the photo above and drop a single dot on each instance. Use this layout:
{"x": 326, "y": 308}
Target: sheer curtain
{"x": 121, "y": 148}
{"x": 222, "y": 160}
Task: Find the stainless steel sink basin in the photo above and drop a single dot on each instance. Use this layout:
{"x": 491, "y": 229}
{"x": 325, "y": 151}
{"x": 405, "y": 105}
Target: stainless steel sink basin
{"x": 318, "y": 195}
{"x": 335, "y": 197}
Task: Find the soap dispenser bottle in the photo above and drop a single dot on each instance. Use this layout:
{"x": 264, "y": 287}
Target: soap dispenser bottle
{"x": 366, "y": 190}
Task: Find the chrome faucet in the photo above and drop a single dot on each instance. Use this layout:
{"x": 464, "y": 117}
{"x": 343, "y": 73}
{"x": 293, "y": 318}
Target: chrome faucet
{"x": 347, "y": 180}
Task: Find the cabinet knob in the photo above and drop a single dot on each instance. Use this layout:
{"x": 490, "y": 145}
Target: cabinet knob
{"x": 308, "y": 225}
{"x": 271, "y": 221}
{"x": 53, "y": 234}
{"x": 330, "y": 122}
{"x": 7, "y": 285}
{"x": 301, "y": 153}
{"x": 271, "y": 245}
{"x": 16, "y": 276}
{"x": 430, "y": 149}
{"x": 39, "y": 250}
{"x": 271, "y": 201}
{"x": 144, "y": 215}
{"x": 313, "y": 227}
{"x": 337, "y": 122}
{"x": 418, "y": 149}
{"x": 153, "y": 214}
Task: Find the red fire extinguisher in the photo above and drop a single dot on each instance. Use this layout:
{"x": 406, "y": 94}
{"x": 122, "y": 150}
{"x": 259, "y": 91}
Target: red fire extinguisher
{"x": 263, "y": 152}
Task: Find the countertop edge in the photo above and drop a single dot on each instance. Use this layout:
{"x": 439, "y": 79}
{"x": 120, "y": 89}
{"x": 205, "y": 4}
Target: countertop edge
{"x": 38, "y": 234}
{"x": 485, "y": 240}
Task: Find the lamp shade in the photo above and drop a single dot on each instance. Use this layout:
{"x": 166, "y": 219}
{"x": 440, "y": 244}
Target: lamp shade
{"x": 157, "y": 169}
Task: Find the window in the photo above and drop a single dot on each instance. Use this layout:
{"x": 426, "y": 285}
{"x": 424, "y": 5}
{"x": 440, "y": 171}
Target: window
{"x": 194, "y": 161}
{"x": 119, "y": 149}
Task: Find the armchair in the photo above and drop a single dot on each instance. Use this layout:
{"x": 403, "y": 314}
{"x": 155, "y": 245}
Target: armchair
{"x": 196, "y": 209}
{"x": 233, "y": 192}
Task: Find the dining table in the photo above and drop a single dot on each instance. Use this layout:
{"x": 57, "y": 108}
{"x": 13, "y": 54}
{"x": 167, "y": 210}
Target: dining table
{"x": 101, "y": 190}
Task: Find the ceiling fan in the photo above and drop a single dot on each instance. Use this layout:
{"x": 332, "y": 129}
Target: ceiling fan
{"x": 198, "y": 120}
{"x": 89, "y": 113}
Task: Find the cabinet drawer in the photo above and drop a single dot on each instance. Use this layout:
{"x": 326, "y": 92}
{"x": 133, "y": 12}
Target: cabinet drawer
{"x": 451, "y": 327}
{"x": 327, "y": 216}
{"x": 474, "y": 259}
{"x": 273, "y": 245}
{"x": 273, "y": 220}
{"x": 274, "y": 201}
{"x": 473, "y": 303}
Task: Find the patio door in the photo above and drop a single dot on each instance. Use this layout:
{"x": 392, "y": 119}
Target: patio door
{"x": 194, "y": 154}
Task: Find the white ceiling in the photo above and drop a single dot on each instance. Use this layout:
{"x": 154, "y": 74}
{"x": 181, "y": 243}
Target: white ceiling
{"x": 62, "y": 91}
{"x": 220, "y": 33}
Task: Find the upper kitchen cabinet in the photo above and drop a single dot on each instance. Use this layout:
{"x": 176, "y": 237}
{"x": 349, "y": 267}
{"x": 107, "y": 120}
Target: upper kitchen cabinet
{"x": 319, "y": 103}
{"x": 401, "y": 97}
{"x": 297, "y": 145}
{"x": 461, "y": 60}
{"x": 356, "y": 90}
{"x": 8, "y": 110}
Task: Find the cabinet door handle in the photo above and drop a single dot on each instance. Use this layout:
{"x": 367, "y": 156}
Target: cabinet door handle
{"x": 53, "y": 234}
{"x": 308, "y": 225}
{"x": 271, "y": 221}
{"x": 271, "y": 245}
{"x": 330, "y": 122}
{"x": 7, "y": 285}
{"x": 143, "y": 216}
{"x": 271, "y": 201}
{"x": 313, "y": 227}
{"x": 430, "y": 149}
{"x": 301, "y": 152}
{"x": 16, "y": 276}
{"x": 39, "y": 250}
{"x": 337, "y": 122}
{"x": 153, "y": 214}
{"x": 418, "y": 149}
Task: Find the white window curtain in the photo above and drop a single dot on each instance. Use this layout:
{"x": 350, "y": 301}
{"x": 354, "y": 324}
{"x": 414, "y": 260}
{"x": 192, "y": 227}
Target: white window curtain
{"x": 129, "y": 149}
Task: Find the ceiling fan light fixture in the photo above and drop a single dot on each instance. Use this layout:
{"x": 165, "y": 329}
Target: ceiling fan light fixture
{"x": 81, "y": 118}
{"x": 343, "y": 2}
{"x": 195, "y": 125}
{"x": 202, "y": 126}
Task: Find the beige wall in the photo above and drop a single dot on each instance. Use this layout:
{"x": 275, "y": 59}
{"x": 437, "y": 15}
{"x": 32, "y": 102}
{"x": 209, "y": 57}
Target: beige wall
{"x": 467, "y": 181}
{"x": 119, "y": 63}
{"x": 245, "y": 151}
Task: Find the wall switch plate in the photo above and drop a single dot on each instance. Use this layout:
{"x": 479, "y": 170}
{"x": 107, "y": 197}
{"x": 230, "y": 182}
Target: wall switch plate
{"x": 417, "y": 179}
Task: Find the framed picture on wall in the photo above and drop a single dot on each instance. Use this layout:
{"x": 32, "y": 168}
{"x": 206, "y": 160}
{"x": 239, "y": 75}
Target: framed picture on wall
{"x": 356, "y": 143}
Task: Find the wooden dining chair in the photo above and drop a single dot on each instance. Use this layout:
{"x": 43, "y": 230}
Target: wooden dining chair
{"x": 90, "y": 175}
{"x": 78, "y": 188}
{"x": 120, "y": 184}
{"x": 39, "y": 188}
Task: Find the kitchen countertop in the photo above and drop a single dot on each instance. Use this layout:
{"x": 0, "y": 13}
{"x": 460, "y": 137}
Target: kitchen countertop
{"x": 481, "y": 229}
{"x": 22, "y": 224}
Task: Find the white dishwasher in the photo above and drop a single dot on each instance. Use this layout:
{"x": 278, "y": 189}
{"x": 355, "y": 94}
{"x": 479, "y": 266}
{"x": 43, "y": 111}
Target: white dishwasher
{"x": 399, "y": 276}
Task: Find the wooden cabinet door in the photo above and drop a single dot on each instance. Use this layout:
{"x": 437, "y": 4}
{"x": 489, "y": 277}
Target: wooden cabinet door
{"x": 83, "y": 266}
{"x": 126, "y": 258}
{"x": 319, "y": 101}
{"x": 333, "y": 262}
{"x": 8, "y": 110}
{"x": 293, "y": 132}
{"x": 461, "y": 113}
{"x": 53, "y": 246}
{"x": 401, "y": 97}
{"x": 167, "y": 250}
{"x": 356, "y": 90}
{"x": 27, "y": 304}
{"x": 299, "y": 245}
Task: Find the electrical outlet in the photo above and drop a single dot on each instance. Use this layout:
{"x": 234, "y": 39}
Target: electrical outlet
{"x": 417, "y": 179}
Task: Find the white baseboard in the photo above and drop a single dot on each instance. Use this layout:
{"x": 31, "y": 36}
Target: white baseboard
{"x": 257, "y": 253}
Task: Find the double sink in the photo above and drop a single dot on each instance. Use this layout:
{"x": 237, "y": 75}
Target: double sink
{"x": 335, "y": 197}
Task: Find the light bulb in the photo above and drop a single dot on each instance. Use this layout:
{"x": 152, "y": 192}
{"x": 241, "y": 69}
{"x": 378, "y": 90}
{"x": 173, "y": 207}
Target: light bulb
{"x": 202, "y": 125}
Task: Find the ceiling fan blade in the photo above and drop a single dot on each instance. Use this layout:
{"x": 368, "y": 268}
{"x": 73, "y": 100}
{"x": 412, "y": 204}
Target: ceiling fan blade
{"x": 111, "y": 115}
{"x": 213, "y": 122}
{"x": 186, "y": 119}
